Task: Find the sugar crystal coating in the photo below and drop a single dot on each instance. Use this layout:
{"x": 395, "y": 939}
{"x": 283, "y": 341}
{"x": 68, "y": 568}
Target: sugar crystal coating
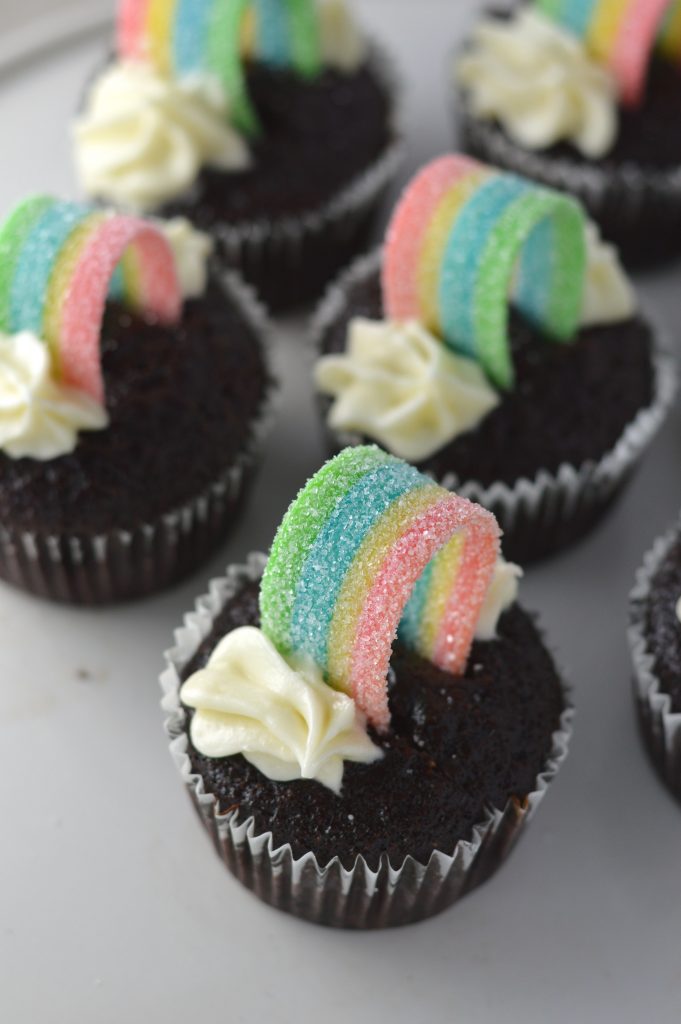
{"x": 58, "y": 263}
{"x": 459, "y": 238}
{"x": 622, "y": 34}
{"x": 370, "y": 542}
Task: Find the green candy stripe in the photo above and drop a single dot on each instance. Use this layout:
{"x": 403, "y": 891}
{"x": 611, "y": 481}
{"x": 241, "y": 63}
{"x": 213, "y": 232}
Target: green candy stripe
{"x": 299, "y": 529}
{"x": 496, "y": 269}
{"x": 303, "y": 19}
{"x": 225, "y": 61}
{"x": 13, "y": 234}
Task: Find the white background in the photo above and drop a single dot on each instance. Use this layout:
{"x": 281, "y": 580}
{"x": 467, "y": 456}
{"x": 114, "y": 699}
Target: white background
{"x": 113, "y": 905}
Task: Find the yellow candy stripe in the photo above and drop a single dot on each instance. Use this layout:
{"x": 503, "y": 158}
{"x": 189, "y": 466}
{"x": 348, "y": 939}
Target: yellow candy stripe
{"x": 670, "y": 40}
{"x": 605, "y": 27}
{"x": 159, "y": 30}
{"x": 445, "y": 570}
{"x": 60, "y": 280}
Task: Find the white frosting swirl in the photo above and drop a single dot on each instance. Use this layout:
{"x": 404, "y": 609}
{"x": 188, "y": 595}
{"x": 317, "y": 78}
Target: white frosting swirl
{"x": 39, "y": 418}
{"x": 502, "y": 593}
{"x": 143, "y": 139}
{"x": 399, "y": 385}
{"x": 192, "y": 250}
{"x": 539, "y": 82}
{"x": 343, "y": 44}
{"x": 608, "y": 294}
{"x": 280, "y": 715}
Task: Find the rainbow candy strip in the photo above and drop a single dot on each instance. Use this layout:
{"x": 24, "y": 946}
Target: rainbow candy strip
{"x": 58, "y": 263}
{"x": 182, "y": 37}
{"x": 360, "y": 537}
{"x": 451, "y": 254}
{"x": 621, "y": 34}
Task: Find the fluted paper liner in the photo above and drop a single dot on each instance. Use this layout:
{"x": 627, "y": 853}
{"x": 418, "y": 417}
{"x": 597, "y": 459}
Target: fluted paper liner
{"x": 538, "y": 516}
{"x": 660, "y": 725}
{"x": 331, "y": 894}
{"x": 126, "y": 563}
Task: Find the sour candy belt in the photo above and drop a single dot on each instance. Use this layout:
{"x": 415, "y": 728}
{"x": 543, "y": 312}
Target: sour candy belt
{"x": 58, "y": 263}
{"x": 621, "y": 34}
{"x": 183, "y": 37}
{"x": 368, "y": 544}
{"x": 461, "y": 235}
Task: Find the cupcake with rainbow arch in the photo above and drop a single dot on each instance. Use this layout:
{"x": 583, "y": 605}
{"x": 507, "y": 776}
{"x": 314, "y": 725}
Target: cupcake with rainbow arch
{"x": 583, "y": 95}
{"x": 496, "y": 343}
{"x": 366, "y": 719}
{"x": 135, "y": 389}
{"x": 269, "y": 124}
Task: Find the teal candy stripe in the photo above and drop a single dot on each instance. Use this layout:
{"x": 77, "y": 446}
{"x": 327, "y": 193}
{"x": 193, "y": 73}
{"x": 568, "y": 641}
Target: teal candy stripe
{"x": 532, "y": 297}
{"x": 190, "y": 35}
{"x": 274, "y": 43}
{"x": 464, "y": 251}
{"x": 36, "y": 263}
{"x": 299, "y": 530}
{"x": 410, "y": 626}
{"x": 117, "y": 284}
{"x": 335, "y": 549}
{"x": 576, "y": 15}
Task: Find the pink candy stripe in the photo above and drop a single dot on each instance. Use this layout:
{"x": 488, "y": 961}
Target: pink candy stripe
{"x": 407, "y": 231}
{"x": 85, "y": 300}
{"x": 634, "y": 45}
{"x": 131, "y": 28}
{"x": 394, "y": 583}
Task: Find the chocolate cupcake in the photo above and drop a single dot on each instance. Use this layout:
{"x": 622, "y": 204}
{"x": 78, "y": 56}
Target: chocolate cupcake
{"x": 135, "y": 393}
{"x": 583, "y": 97}
{"x": 655, "y": 639}
{"x": 345, "y": 780}
{"x": 270, "y": 126}
{"x": 539, "y": 413}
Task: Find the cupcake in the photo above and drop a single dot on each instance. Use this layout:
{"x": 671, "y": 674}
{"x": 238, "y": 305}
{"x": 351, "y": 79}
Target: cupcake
{"x": 269, "y": 125}
{"x": 655, "y": 639}
{"x": 345, "y": 780}
{"x": 539, "y": 411}
{"x": 583, "y": 95}
{"x": 135, "y": 390}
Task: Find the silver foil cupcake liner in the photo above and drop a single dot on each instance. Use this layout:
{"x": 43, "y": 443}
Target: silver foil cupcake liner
{"x": 660, "y": 725}
{"x": 290, "y": 260}
{"x": 542, "y": 515}
{"x": 122, "y": 564}
{"x": 637, "y": 208}
{"x": 331, "y": 894}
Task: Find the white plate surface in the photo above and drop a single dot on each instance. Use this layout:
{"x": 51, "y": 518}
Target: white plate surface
{"x": 113, "y": 906}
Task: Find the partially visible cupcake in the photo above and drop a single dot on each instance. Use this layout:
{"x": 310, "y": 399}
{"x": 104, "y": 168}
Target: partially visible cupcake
{"x": 269, "y": 125}
{"x": 655, "y": 639}
{"x": 584, "y": 96}
{"x": 345, "y": 780}
{"x": 134, "y": 392}
{"x": 539, "y": 407}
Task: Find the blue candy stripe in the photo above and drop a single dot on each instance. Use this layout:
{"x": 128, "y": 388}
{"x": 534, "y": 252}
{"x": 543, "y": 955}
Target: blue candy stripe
{"x": 577, "y": 15}
{"x": 273, "y": 34}
{"x": 532, "y": 296}
{"x": 36, "y": 262}
{"x": 190, "y": 30}
{"x": 410, "y": 626}
{"x": 334, "y": 551}
{"x": 465, "y": 247}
